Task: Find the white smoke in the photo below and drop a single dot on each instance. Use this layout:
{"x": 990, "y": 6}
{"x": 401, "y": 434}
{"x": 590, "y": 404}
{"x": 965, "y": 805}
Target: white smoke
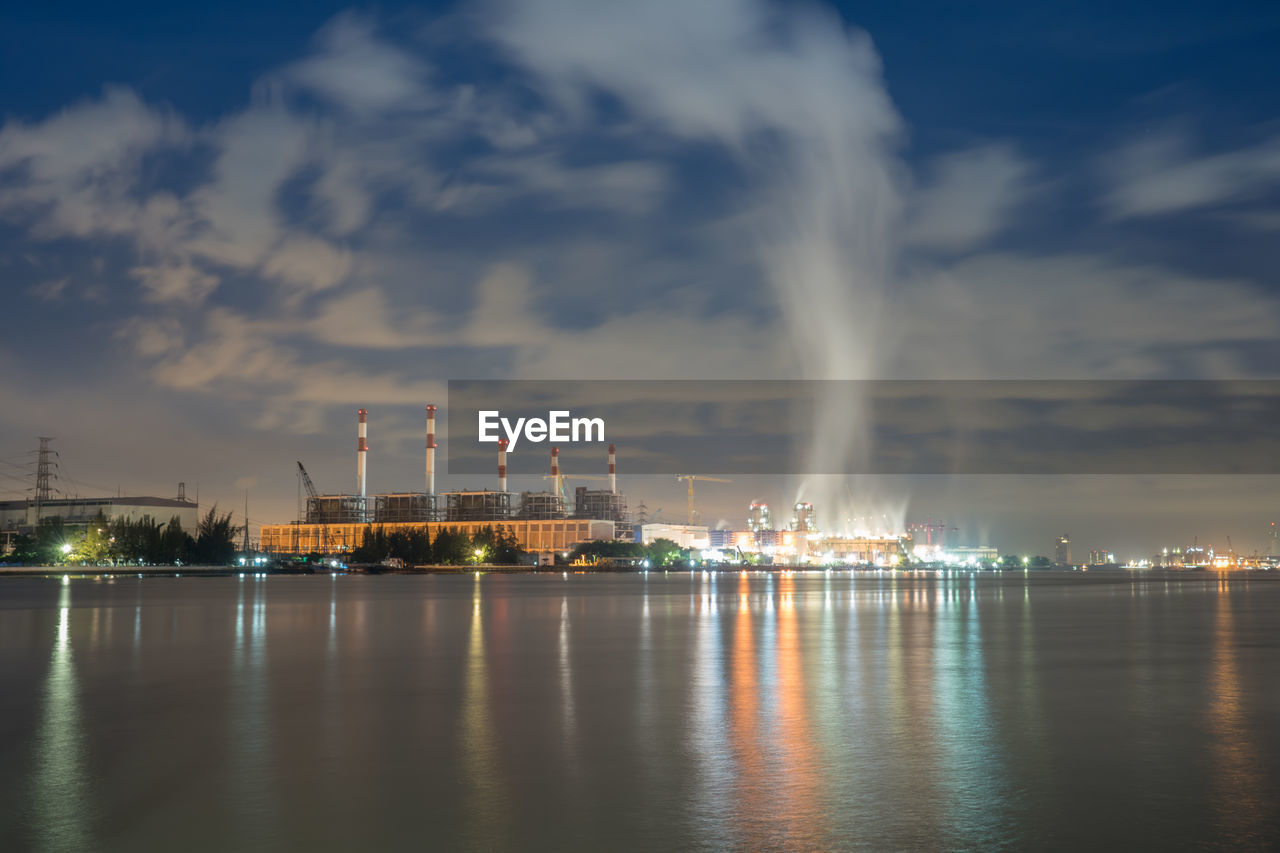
{"x": 799, "y": 100}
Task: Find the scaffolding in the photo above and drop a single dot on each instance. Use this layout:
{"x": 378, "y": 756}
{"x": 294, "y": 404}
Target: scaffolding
{"x": 599, "y": 504}
{"x": 477, "y": 506}
{"x": 541, "y": 506}
{"x": 335, "y": 509}
{"x": 411, "y": 506}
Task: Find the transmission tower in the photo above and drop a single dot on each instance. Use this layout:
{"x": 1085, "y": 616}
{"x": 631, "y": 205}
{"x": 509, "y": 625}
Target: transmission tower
{"x": 44, "y": 491}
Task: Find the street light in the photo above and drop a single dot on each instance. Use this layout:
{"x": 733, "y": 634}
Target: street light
{"x": 66, "y": 547}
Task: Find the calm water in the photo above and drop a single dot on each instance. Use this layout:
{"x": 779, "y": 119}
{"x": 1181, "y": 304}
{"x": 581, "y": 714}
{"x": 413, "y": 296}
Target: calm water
{"x": 615, "y": 712}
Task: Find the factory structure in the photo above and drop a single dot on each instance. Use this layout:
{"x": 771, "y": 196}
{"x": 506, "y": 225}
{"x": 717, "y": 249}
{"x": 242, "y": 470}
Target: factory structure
{"x": 541, "y": 521}
{"x": 801, "y": 542}
{"x": 24, "y": 516}
{"x": 560, "y": 517}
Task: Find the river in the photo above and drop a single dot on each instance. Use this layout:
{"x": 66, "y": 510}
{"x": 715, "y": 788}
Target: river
{"x": 689, "y": 711}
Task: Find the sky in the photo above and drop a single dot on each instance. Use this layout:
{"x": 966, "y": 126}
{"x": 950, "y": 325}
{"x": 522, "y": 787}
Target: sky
{"x": 224, "y": 228}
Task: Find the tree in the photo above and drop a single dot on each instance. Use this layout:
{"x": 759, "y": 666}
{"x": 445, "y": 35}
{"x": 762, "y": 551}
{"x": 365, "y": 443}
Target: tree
{"x": 607, "y": 550}
{"x": 411, "y": 546}
{"x": 51, "y": 535}
{"x": 93, "y": 546}
{"x": 176, "y": 545}
{"x": 24, "y": 551}
{"x": 664, "y": 552}
{"x": 452, "y": 547}
{"x": 1010, "y": 561}
{"x": 507, "y": 550}
{"x": 216, "y": 539}
{"x": 372, "y": 547}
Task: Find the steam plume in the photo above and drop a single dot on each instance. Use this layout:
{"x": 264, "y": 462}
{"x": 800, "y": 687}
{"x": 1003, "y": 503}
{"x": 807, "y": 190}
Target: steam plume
{"x": 798, "y": 98}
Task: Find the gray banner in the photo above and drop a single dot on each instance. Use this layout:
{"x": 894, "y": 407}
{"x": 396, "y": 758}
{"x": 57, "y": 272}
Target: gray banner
{"x": 873, "y": 427}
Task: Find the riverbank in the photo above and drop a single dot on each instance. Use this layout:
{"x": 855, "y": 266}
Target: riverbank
{"x": 231, "y": 571}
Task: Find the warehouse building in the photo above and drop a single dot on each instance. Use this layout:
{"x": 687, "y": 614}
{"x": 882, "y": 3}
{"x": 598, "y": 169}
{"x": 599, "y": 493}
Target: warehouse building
{"x": 24, "y": 515}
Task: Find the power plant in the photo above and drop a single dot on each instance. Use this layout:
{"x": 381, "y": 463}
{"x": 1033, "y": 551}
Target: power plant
{"x": 541, "y": 521}
{"x": 557, "y": 518}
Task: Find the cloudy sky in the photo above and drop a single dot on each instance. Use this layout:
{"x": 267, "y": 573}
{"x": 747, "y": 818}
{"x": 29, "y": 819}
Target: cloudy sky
{"x": 223, "y": 230}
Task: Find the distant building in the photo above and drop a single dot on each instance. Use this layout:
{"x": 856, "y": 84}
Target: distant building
{"x": 24, "y": 516}
{"x": 759, "y": 517}
{"x": 684, "y": 535}
{"x": 861, "y": 550}
{"x": 976, "y": 554}
{"x": 1101, "y": 557}
{"x": 536, "y": 535}
{"x": 803, "y": 518}
{"x": 1062, "y": 550}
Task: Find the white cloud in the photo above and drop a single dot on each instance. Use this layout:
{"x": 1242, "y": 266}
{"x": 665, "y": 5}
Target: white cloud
{"x": 50, "y": 291}
{"x": 627, "y": 186}
{"x": 73, "y": 174}
{"x": 359, "y": 72}
{"x": 1008, "y": 315}
{"x": 308, "y": 264}
{"x": 362, "y": 319}
{"x": 1161, "y": 175}
{"x": 174, "y": 282}
{"x": 969, "y": 197}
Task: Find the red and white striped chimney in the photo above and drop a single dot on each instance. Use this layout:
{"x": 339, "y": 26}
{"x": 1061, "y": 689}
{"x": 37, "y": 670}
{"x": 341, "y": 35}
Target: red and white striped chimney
{"x": 555, "y": 470}
{"x": 502, "y": 464}
{"x": 362, "y": 447}
{"x": 431, "y": 450}
{"x": 613, "y": 469}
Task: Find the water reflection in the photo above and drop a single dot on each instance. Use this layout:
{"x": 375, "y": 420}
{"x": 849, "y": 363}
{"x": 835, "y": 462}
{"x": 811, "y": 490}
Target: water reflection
{"x": 250, "y": 734}
{"x": 798, "y": 780}
{"x": 746, "y": 711}
{"x": 61, "y": 789}
{"x": 753, "y": 797}
{"x": 568, "y": 712}
{"x": 715, "y": 771}
{"x": 485, "y": 799}
{"x": 1237, "y": 779}
{"x": 970, "y": 771}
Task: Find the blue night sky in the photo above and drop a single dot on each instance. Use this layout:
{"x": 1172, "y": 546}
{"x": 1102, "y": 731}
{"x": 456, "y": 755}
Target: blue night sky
{"x": 225, "y": 227}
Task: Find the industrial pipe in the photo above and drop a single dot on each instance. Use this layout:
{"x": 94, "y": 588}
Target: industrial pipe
{"x": 502, "y": 464}
{"x": 362, "y": 447}
{"x": 431, "y": 450}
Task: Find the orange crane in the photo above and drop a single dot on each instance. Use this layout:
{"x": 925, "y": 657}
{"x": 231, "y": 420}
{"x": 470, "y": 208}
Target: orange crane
{"x": 690, "y": 478}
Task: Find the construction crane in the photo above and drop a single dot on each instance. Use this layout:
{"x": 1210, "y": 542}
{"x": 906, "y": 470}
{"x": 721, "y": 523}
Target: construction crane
{"x": 560, "y": 478}
{"x": 312, "y": 496}
{"x": 306, "y": 482}
{"x": 690, "y": 478}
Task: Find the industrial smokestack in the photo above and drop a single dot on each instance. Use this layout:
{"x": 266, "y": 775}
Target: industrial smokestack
{"x": 431, "y": 450}
{"x": 613, "y": 470}
{"x": 502, "y": 464}
{"x": 555, "y": 470}
{"x": 362, "y": 447}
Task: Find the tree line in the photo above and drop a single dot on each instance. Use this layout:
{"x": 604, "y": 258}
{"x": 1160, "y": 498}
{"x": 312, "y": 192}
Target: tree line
{"x": 494, "y": 546}
{"x": 659, "y": 552}
{"x": 125, "y": 541}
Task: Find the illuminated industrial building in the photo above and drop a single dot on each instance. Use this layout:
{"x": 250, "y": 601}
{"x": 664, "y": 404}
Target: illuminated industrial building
{"x": 540, "y": 521}
{"x": 23, "y": 516}
{"x": 758, "y": 517}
